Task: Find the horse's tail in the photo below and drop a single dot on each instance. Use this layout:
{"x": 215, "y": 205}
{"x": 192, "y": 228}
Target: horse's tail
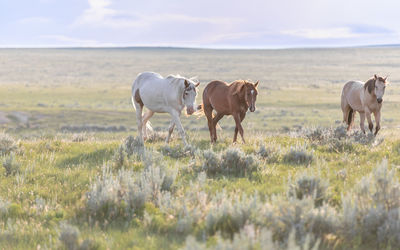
{"x": 133, "y": 103}
{"x": 350, "y": 117}
{"x": 199, "y": 111}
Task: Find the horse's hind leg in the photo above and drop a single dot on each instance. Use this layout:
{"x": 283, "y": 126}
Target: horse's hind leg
{"x": 208, "y": 112}
{"x": 146, "y": 118}
{"x": 137, "y": 101}
{"x": 139, "y": 109}
{"x": 215, "y": 120}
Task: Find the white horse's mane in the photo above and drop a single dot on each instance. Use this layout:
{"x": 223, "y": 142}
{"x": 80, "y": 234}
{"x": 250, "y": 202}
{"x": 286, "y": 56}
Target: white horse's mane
{"x": 173, "y": 78}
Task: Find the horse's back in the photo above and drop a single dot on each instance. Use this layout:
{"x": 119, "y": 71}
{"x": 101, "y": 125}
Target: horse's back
{"x": 153, "y": 91}
{"x": 146, "y": 77}
{"x": 351, "y": 94}
{"x": 215, "y": 89}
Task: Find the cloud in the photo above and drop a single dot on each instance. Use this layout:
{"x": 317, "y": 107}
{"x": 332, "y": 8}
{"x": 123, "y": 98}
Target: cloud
{"x": 35, "y": 20}
{"x": 350, "y": 31}
{"x": 101, "y": 14}
{"x": 98, "y": 11}
{"x": 328, "y": 33}
{"x": 72, "y": 41}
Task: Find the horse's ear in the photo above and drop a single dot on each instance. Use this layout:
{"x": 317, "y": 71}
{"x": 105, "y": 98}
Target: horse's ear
{"x": 375, "y": 77}
{"x": 255, "y": 85}
{"x": 384, "y": 79}
{"x": 238, "y": 88}
{"x": 197, "y": 84}
{"x": 186, "y": 83}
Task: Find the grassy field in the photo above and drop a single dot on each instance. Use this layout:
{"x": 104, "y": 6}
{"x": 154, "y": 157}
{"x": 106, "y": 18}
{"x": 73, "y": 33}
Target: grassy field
{"x": 74, "y": 177}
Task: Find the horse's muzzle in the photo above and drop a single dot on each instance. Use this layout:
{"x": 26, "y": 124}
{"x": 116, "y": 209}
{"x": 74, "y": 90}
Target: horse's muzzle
{"x": 189, "y": 110}
{"x": 252, "y": 109}
{"x": 379, "y": 100}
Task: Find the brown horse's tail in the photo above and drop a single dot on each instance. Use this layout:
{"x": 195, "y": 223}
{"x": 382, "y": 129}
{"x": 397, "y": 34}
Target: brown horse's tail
{"x": 350, "y": 117}
{"x": 199, "y": 111}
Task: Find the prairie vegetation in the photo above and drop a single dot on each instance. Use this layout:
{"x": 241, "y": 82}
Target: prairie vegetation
{"x": 74, "y": 176}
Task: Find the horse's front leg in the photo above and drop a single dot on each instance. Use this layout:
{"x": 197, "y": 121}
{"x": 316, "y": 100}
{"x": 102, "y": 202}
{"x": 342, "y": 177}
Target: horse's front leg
{"x": 170, "y": 130}
{"x": 238, "y": 127}
{"x": 377, "y": 115}
{"x": 242, "y": 115}
{"x": 368, "y": 115}
{"x": 175, "y": 118}
{"x": 362, "y": 119}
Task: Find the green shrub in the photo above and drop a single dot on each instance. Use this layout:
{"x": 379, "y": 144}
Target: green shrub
{"x": 230, "y": 162}
{"x": 11, "y": 166}
{"x": 7, "y": 144}
{"x": 308, "y": 186}
{"x": 298, "y": 155}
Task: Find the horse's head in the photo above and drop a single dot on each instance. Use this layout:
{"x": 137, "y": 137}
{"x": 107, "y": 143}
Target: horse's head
{"x": 189, "y": 96}
{"x": 248, "y": 92}
{"x": 377, "y": 87}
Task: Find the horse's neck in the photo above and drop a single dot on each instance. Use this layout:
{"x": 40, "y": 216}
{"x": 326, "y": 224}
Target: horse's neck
{"x": 176, "y": 90}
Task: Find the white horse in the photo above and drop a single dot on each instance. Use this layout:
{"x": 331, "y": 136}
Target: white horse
{"x": 163, "y": 95}
{"x": 365, "y": 98}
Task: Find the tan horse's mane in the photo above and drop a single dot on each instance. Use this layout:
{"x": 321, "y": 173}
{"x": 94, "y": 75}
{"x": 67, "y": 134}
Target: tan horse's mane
{"x": 370, "y": 84}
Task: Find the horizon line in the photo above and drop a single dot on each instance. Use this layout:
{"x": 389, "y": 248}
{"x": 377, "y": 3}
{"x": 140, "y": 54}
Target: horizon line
{"x": 197, "y": 47}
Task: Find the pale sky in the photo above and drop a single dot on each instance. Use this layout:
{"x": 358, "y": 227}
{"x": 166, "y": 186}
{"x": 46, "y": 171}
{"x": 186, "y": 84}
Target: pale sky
{"x": 199, "y": 23}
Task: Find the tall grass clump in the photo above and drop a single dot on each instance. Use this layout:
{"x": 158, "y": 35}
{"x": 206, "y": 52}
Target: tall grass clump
{"x": 133, "y": 146}
{"x": 298, "y": 155}
{"x": 228, "y": 214}
{"x": 371, "y": 212}
{"x": 79, "y": 137}
{"x": 119, "y": 158}
{"x": 178, "y": 151}
{"x": 271, "y": 155}
{"x": 232, "y": 161}
{"x": 4, "y": 207}
{"x": 308, "y": 186}
{"x": 7, "y": 144}
{"x": 124, "y": 195}
{"x": 69, "y": 236}
{"x": 317, "y": 134}
{"x": 11, "y": 166}
{"x": 338, "y": 139}
{"x": 251, "y": 237}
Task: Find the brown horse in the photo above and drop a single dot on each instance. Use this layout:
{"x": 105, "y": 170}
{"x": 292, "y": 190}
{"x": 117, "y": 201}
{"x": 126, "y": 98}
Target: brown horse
{"x": 228, "y": 99}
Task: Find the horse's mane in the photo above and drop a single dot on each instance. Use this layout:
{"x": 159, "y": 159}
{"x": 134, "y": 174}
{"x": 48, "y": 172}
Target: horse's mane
{"x": 370, "y": 84}
{"x": 176, "y": 78}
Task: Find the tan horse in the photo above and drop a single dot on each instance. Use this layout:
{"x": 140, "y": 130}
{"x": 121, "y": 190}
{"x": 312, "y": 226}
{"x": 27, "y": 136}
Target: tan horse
{"x": 365, "y": 98}
{"x": 228, "y": 99}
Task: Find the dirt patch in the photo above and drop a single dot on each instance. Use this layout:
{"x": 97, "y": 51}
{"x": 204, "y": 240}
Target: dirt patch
{"x": 20, "y": 117}
{"x": 3, "y": 118}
